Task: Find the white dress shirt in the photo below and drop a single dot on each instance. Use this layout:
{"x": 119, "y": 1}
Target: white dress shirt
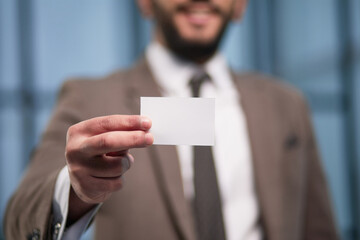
{"x": 232, "y": 153}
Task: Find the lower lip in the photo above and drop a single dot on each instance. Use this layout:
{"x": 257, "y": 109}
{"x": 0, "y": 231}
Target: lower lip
{"x": 198, "y": 19}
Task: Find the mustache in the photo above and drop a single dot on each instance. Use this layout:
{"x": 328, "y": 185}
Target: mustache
{"x": 213, "y": 8}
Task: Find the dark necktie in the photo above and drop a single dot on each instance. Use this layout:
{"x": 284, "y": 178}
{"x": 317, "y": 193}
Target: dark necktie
{"x": 207, "y": 202}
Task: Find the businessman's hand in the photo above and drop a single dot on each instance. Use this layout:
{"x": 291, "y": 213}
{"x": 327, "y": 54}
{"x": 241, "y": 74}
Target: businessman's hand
{"x": 97, "y": 156}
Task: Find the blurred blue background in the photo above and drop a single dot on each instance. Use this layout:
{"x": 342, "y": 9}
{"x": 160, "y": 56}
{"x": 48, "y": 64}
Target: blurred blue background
{"x": 312, "y": 44}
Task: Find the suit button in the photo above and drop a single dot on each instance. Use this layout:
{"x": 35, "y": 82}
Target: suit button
{"x": 35, "y": 235}
{"x": 57, "y": 228}
{"x": 56, "y": 232}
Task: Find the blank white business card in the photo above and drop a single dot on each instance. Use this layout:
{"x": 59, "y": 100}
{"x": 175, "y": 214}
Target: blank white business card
{"x": 180, "y": 121}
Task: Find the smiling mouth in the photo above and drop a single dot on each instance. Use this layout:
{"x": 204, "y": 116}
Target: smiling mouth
{"x": 199, "y": 14}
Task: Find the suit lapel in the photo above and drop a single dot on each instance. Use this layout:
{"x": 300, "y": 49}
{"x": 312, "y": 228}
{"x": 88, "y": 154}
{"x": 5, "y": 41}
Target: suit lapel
{"x": 264, "y": 137}
{"x": 164, "y": 158}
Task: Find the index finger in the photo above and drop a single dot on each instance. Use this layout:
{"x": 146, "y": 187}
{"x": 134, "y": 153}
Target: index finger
{"x": 111, "y": 123}
{"x": 115, "y": 141}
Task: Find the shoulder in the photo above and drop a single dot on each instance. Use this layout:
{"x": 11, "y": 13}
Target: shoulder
{"x": 268, "y": 86}
{"x": 118, "y": 80}
{"x": 277, "y": 99}
{"x": 85, "y": 84}
{"x": 101, "y": 96}
{"x": 115, "y": 83}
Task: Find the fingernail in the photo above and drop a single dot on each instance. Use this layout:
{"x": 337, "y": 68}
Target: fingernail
{"x": 126, "y": 162}
{"x": 131, "y": 159}
{"x": 145, "y": 123}
{"x": 149, "y": 139}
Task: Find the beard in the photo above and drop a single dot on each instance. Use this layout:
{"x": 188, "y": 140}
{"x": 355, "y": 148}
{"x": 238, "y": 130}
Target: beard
{"x": 193, "y": 50}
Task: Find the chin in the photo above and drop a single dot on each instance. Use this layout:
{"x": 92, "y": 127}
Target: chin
{"x": 200, "y": 36}
{"x": 196, "y": 50}
{"x": 199, "y": 39}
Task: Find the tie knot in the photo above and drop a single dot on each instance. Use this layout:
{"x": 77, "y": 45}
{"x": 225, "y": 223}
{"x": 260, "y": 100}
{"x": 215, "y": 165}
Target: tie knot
{"x": 197, "y": 80}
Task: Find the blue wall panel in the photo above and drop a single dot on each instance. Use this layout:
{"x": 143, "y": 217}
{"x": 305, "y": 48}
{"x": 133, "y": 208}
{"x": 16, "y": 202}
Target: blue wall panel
{"x": 42, "y": 43}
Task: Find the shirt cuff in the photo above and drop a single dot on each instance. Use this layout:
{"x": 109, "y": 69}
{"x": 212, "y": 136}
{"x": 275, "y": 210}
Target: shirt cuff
{"x": 60, "y": 210}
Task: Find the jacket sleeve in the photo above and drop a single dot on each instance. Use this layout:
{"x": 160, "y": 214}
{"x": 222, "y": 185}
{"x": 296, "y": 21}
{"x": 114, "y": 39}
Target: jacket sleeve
{"x": 319, "y": 220}
{"x": 29, "y": 211}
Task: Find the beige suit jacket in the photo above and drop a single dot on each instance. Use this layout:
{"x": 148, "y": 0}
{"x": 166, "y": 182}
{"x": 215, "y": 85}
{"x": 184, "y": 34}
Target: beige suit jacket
{"x": 290, "y": 184}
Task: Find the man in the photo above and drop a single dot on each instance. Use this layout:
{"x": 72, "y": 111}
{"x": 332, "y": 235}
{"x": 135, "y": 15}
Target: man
{"x": 269, "y": 180}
